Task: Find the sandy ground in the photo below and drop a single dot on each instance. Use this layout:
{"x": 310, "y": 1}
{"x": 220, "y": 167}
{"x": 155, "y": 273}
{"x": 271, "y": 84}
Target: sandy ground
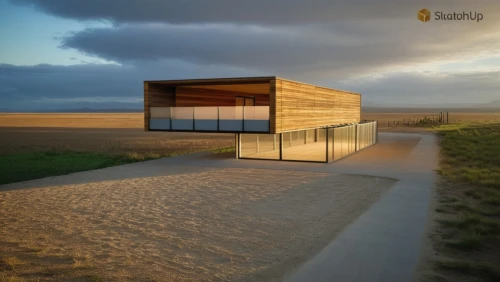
{"x": 225, "y": 224}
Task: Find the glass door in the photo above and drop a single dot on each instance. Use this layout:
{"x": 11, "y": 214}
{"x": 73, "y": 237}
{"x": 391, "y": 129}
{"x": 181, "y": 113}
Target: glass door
{"x": 249, "y": 101}
{"x": 240, "y": 101}
{"x": 245, "y": 101}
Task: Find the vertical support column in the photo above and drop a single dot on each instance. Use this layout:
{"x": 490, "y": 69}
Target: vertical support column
{"x": 257, "y": 141}
{"x": 327, "y": 140}
{"x": 305, "y": 136}
{"x": 356, "y": 138}
{"x": 171, "y": 117}
{"x": 274, "y": 141}
{"x": 194, "y": 126}
{"x": 281, "y": 146}
{"x": 333, "y": 144}
{"x": 238, "y": 145}
{"x": 243, "y": 120}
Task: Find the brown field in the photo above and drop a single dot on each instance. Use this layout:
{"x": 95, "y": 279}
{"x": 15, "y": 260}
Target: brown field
{"x": 101, "y": 133}
{"x": 77, "y": 120}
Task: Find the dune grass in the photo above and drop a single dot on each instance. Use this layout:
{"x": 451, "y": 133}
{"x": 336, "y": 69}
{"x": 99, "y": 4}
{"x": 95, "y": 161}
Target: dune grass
{"x": 472, "y": 154}
{"x": 470, "y": 157}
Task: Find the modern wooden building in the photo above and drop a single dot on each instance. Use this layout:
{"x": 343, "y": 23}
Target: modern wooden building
{"x": 269, "y": 108}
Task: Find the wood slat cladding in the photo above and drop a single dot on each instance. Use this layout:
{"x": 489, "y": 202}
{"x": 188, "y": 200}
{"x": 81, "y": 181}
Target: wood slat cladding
{"x": 251, "y": 88}
{"x": 205, "y": 97}
{"x": 161, "y": 95}
{"x": 300, "y": 106}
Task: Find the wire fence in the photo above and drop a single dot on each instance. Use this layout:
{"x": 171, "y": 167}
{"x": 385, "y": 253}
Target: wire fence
{"x": 437, "y": 119}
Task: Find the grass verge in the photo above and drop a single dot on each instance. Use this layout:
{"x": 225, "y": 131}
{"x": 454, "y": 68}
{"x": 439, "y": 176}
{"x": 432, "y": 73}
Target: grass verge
{"x": 470, "y": 163}
{"x": 27, "y": 166}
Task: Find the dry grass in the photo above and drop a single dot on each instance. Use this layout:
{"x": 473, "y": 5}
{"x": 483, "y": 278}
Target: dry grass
{"x": 69, "y": 120}
{"x": 99, "y": 133}
{"x": 466, "y": 232}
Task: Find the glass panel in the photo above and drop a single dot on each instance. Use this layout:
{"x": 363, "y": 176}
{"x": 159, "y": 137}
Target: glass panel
{"x": 295, "y": 147}
{"x": 231, "y": 113}
{"x": 206, "y": 113}
{"x": 260, "y": 146}
{"x": 231, "y": 118}
{"x": 311, "y": 135}
{"x": 337, "y": 143}
{"x": 159, "y": 112}
{"x": 182, "y": 112}
{"x": 182, "y": 118}
{"x": 257, "y": 113}
{"x": 330, "y": 144}
{"x": 206, "y": 118}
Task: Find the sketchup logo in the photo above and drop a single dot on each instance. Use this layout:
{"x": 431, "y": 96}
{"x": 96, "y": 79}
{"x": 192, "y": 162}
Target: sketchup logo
{"x": 424, "y": 15}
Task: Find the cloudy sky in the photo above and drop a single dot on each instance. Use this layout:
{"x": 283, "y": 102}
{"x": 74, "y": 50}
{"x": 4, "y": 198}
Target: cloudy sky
{"x": 71, "y": 54}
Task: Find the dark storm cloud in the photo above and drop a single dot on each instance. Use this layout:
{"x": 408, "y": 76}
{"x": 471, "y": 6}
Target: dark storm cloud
{"x": 407, "y": 88}
{"x": 335, "y": 51}
{"x": 261, "y": 12}
{"x": 294, "y": 38}
{"x": 320, "y": 41}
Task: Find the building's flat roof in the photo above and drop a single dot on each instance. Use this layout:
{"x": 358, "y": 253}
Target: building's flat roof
{"x": 233, "y": 80}
{"x": 215, "y": 80}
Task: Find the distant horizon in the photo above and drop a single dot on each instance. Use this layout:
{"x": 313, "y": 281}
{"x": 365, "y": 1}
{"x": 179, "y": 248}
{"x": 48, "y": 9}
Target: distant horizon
{"x": 493, "y": 107}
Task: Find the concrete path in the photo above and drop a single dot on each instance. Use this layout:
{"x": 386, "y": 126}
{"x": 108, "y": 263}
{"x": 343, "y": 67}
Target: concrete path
{"x": 384, "y": 243}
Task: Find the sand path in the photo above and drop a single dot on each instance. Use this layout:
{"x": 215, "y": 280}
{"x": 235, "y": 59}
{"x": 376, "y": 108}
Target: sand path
{"x": 221, "y": 224}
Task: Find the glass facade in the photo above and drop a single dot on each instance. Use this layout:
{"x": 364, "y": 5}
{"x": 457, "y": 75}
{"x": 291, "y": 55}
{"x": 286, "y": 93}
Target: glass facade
{"x": 224, "y": 119}
{"x": 312, "y": 145}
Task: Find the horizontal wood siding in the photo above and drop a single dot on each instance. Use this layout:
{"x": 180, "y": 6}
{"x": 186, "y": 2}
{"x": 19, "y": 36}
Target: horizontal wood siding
{"x": 300, "y": 106}
{"x": 203, "y": 97}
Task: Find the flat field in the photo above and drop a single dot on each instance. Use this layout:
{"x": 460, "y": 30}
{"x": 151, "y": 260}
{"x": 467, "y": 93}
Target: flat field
{"x": 99, "y": 133}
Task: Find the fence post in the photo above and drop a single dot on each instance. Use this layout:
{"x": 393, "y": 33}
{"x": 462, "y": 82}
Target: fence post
{"x": 281, "y": 146}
